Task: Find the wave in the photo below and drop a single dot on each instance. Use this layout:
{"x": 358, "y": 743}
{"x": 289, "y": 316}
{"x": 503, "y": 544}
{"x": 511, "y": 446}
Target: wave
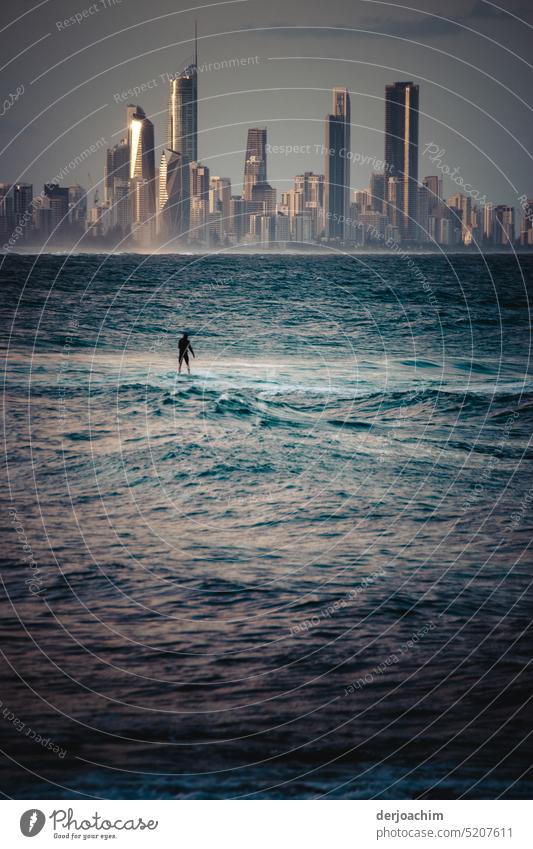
{"x": 353, "y": 409}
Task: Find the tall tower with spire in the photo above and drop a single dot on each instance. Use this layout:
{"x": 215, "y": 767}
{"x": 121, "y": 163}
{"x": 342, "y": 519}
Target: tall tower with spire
{"x": 182, "y": 135}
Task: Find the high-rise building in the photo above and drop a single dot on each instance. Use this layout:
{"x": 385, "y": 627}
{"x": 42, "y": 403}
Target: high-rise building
{"x": 308, "y": 196}
{"x": 281, "y": 228}
{"x": 174, "y": 215}
{"x": 303, "y": 227}
{"x": 199, "y": 230}
{"x": 199, "y": 201}
{"x": 373, "y": 226}
{"x": 337, "y": 165}
{"x": 120, "y": 212}
{"x": 215, "y": 226}
{"x": 220, "y": 199}
{"x": 267, "y": 231}
{"x": 424, "y": 205}
{"x": 238, "y": 218}
{"x": 141, "y": 144}
{"x": 363, "y": 201}
{"x": 116, "y": 168}
{"x": 117, "y": 184}
{"x": 15, "y": 209}
{"x": 57, "y": 198}
{"x": 255, "y": 163}
{"x": 504, "y": 225}
{"x": 526, "y": 225}
{"x": 5, "y": 203}
{"x": 401, "y": 150}
{"x": 182, "y": 134}
{"x": 263, "y": 199}
{"x": 434, "y": 186}
{"x": 311, "y": 187}
{"x": 464, "y": 204}
{"x": 141, "y": 174}
{"x": 393, "y": 207}
{"x": 42, "y": 216}
{"x": 98, "y": 220}
{"x": 378, "y": 191}
{"x": 199, "y": 184}
{"x": 182, "y": 127}
{"x": 162, "y": 194}
{"x": 22, "y": 200}
{"x": 77, "y": 206}
{"x": 488, "y": 223}
{"x": 446, "y": 232}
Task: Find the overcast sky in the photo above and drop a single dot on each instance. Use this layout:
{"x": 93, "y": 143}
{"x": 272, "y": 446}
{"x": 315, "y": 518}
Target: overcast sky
{"x": 471, "y": 59}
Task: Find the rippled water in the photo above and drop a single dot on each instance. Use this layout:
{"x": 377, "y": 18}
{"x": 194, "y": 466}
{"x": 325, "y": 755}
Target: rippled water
{"x": 303, "y": 570}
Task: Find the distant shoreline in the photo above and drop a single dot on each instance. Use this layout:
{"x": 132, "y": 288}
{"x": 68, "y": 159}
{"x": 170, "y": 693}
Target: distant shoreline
{"x": 331, "y": 252}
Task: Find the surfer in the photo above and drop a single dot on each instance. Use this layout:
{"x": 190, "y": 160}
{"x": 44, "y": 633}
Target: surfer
{"x": 185, "y": 346}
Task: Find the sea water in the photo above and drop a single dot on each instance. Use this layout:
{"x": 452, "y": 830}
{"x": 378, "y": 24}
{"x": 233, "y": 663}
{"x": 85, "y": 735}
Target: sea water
{"x": 300, "y": 571}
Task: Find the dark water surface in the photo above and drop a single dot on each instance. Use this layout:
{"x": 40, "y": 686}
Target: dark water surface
{"x": 304, "y": 570}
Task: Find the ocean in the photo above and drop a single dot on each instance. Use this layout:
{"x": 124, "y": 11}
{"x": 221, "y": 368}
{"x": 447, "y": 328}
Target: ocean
{"x": 301, "y": 571}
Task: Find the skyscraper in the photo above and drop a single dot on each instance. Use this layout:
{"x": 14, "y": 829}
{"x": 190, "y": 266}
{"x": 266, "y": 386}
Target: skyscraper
{"x": 463, "y": 203}
{"x": 141, "y": 173}
{"x": 526, "y": 224}
{"x": 263, "y": 199}
{"x": 504, "y": 225}
{"x": 337, "y": 165}
{"x": 174, "y": 213}
{"x": 116, "y": 168}
{"x": 378, "y": 191}
{"x": 182, "y": 135}
{"x": 199, "y": 180}
{"x": 401, "y": 149}
{"x": 57, "y": 198}
{"x": 255, "y": 163}
{"x": 220, "y": 199}
{"x": 239, "y": 218}
{"x": 434, "y": 187}
{"x": 15, "y": 206}
{"x": 162, "y": 194}
{"x": 77, "y": 206}
{"x": 117, "y": 184}
{"x": 488, "y": 223}
{"x": 309, "y": 190}
{"x": 199, "y": 202}
{"x": 141, "y": 144}
{"x": 393, "y": 205}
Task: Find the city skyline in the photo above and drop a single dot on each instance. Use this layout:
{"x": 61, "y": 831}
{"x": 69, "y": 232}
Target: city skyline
{"x": 181, "y": 202}
{"x": 394, "y": 207}
{"x": 452, "y": 61}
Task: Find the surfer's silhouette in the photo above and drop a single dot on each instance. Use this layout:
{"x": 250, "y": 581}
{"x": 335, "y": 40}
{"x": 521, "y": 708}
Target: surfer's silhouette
{"x": 185, "y": 346}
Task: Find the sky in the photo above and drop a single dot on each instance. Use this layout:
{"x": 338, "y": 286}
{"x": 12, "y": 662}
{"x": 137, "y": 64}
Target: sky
{"x": 63, "y": 83}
